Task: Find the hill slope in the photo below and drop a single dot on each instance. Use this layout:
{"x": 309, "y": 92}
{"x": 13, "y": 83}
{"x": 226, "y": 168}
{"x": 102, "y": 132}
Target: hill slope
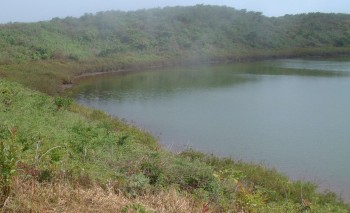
{"x": 45, "y": 55}
{"x": 205, "y": 31}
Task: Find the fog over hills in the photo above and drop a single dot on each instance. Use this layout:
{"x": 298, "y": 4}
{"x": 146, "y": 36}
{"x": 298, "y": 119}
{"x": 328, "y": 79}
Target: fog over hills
{"x": 201, "y": 30}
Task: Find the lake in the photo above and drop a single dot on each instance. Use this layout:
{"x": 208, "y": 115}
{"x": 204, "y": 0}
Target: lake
{"x": 290, "y": 114}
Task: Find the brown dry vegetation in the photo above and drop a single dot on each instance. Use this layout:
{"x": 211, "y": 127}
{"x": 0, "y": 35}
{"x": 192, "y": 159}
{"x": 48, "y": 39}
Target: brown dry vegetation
{"x": 32, "y": 196}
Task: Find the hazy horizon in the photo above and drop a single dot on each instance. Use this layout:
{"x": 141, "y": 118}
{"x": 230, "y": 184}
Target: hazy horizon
{"x": 41, "y": 10}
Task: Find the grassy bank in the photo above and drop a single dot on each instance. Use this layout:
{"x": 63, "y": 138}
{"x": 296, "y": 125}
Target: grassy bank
{"x": 53, "y": 150}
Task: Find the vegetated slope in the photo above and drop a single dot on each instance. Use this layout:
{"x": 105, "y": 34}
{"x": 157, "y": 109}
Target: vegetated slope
{"x": 200, "y": 31}
{"x": 56, "y": 155}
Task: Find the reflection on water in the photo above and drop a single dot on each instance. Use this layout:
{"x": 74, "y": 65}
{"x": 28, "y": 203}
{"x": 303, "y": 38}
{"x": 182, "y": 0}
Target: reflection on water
{"x": 290, "y": 114}
{"x": 329, "y": 66}
{"x": 144, "y": 85}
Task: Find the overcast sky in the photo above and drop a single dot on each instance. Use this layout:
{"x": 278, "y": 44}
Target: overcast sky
{"x": 40, "y": 10}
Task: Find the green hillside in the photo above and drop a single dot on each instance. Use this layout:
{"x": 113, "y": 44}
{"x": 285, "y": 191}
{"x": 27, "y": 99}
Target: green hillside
{"x": 206, "y": 31}
{"x": 56, "y": 51}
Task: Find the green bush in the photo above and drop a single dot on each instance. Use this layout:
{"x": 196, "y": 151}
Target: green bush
{"x": 8, "y": 164}
{"x": 63, "y": 102}
{"x": 138, "y": 208}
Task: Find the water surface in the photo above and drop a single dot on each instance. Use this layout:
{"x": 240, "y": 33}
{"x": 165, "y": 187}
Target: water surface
{"x": 292, "y": 114}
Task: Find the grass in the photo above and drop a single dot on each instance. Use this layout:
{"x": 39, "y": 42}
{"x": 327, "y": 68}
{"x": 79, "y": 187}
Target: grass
{"x": 60, "y": 156}
{"x": 63, "y": 197}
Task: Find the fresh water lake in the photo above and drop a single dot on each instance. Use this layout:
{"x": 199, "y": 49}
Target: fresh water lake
{"x": 288, "y": 114}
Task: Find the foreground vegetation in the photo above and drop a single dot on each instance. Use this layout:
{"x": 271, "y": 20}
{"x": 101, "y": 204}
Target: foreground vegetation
{"x": 53, "y": 151}
{"x": 56, "y": 156}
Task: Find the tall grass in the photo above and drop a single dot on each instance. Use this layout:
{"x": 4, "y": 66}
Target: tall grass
{"x": 63, "y": 149}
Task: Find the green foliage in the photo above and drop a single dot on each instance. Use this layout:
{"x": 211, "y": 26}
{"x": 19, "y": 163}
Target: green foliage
{"x": 138, "y": 208}
{"x": 253, "y": 188}
{"x": 138, "y": 184}
{"x": 152, "y": 168}
{"x": 8, "y": 161}
{"x": 45, "y": 175}
{"x": 200, "y": 31}
{"x": 62, "y": 102}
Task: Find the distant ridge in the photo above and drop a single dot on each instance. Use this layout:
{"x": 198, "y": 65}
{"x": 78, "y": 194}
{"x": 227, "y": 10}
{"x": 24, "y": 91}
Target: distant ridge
{"x": 202, "y": 31}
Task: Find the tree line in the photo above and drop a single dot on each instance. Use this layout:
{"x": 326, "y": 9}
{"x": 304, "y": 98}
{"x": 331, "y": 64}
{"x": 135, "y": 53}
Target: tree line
{"x": 172, "y": 31}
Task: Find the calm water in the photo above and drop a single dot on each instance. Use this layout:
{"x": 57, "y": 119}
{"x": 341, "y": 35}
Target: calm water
{"x": 293, "y": 114}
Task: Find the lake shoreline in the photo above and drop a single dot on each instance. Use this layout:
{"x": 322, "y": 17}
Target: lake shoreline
{"x": 289, "y": 54}
{"x": 126, "y": 71}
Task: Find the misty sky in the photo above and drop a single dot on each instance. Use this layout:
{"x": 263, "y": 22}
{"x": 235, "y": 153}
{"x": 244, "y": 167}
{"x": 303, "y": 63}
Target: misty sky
{"x": 40, "y": 10}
